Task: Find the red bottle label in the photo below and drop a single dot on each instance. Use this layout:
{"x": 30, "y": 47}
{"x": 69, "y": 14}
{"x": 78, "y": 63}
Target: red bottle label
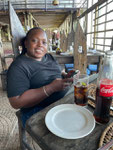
{"x": 106, "y": 89}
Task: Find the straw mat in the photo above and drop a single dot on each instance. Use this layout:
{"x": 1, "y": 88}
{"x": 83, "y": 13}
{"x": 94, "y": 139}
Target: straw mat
{"x": 9, "y": 135}
{"x": 8, "y": 125}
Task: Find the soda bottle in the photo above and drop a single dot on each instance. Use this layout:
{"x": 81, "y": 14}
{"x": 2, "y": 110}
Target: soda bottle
{"x": 104, "y": 91}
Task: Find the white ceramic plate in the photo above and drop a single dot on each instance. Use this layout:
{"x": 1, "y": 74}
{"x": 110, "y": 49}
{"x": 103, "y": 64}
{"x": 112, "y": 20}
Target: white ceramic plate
{"x": 70, "y": 121}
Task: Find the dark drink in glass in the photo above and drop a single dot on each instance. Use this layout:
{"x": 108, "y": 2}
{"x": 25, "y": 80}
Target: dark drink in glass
{"x": 80, "y": 95}
{"x": 81, "y": 82}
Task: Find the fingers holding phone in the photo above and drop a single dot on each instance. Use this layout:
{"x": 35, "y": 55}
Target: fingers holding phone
{"x": 71, "y": 73}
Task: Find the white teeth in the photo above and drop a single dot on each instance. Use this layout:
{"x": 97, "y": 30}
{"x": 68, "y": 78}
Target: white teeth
{"x": 37, "y": 50}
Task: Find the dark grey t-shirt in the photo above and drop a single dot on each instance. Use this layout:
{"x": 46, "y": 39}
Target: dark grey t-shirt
{"x": 26, "y": 73}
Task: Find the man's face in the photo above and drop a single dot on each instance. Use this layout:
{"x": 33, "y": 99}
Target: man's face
{"x": 36, "y": 44}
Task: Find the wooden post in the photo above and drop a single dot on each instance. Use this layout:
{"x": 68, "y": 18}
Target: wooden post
{"x": 1, "y": 46}
{"x": 31, "y": 20}
{"x": 25, "y": 22}
{"x": 80, "y": 57}
{"x": 63, "y": 42}
{"x": 9, "y": 35}
{"x": 3, "y": 63}
{"x": 111, "y": 44}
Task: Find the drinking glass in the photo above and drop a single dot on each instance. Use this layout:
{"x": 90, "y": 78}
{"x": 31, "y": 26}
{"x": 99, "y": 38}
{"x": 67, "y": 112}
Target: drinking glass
{"x": 81, "y": 82}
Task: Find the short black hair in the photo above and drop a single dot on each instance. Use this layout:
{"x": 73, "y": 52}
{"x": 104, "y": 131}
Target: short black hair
{"x": 35, "y": 28}
{"x": 24, "y": 50}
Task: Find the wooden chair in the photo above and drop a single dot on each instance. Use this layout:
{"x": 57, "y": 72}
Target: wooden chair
{"x": 18, "y": 33}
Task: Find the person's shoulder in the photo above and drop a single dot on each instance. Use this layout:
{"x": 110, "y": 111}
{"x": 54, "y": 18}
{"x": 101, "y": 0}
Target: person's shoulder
{"x": 20, "y": 58}
{"x": 18, "y": 61}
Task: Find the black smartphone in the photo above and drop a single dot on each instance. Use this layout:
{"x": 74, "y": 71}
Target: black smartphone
{"x": 75, "y": 72}
{"x": 71, "y": 73}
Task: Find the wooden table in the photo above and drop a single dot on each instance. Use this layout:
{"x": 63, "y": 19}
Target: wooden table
{"x": 66, "y": 59}
{"x": 47, "y": 141}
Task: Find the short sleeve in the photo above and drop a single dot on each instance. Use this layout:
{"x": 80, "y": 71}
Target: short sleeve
{"x": 17, "y": 81}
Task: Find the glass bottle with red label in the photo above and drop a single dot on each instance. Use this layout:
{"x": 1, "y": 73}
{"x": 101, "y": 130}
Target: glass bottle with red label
{"x": 104, "y": 91}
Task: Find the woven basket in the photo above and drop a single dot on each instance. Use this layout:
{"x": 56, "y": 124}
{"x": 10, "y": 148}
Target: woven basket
{"x": 107, "y": 135}
{"x": 92, "y": 93}
{"x": 92, "y": 90}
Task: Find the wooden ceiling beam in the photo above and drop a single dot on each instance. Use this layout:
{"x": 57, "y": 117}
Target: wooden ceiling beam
{"x": 50, "y": 19}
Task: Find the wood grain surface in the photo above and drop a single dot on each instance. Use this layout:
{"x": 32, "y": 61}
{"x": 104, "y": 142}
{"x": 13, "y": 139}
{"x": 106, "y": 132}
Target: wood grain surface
{"x": 48, "y": 141}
